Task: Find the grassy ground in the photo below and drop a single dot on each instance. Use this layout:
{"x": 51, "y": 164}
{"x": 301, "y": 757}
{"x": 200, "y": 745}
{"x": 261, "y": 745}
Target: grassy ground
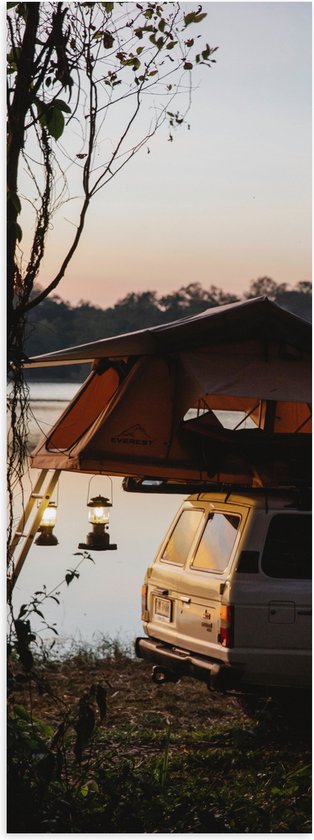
{"x": 96, "y": 746}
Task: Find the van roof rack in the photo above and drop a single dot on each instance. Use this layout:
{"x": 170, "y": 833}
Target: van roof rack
{"x": 302, "y": 494}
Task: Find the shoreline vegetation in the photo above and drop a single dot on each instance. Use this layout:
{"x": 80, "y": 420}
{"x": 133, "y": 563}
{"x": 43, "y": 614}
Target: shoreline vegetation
{"x": 55, "y": 323}
{"x": 96, "y": 747}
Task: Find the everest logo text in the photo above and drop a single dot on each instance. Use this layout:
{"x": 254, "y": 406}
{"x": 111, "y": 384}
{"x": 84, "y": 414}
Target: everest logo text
{"x": 133, "y": 435}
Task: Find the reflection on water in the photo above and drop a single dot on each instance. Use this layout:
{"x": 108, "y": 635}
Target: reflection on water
{"x": 105, "y": 600}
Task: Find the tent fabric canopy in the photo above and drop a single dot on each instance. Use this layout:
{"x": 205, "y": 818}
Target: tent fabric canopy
{"x": 154, "y": 403}
{"x": 255, "y": 318}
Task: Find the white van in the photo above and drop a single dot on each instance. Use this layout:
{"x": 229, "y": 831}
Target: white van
{"x": 228, "y": 597}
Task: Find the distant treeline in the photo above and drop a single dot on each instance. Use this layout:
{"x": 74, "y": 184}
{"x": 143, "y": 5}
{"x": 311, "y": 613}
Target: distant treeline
{"x": 55, "y": 324}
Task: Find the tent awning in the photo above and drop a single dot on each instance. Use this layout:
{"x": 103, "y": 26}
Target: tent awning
{"x": 251, "y": 319}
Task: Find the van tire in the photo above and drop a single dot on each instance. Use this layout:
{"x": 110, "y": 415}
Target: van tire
{"x": 285, "y": 707}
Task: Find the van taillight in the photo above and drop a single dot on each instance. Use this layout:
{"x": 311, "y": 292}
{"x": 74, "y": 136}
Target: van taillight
{"x": 225, "y": 636}
{"x": 145, "y": 615}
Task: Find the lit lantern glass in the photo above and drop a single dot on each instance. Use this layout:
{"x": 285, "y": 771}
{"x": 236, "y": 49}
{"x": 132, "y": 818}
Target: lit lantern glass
{"x": 48, "y": 521}
{"x": 98, "y": 514}
{"x": 49, "y": 516}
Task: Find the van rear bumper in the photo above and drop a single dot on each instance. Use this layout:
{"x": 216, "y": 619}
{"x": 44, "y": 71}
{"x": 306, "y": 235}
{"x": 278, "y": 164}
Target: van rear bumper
{"x": 185, "y": 664}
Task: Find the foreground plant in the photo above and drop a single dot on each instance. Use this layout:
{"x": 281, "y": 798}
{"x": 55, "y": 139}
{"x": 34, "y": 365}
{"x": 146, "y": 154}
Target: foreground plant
{"x": 157, "y": 759}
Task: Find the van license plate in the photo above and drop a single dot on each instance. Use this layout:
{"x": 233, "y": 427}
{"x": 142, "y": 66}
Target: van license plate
{"x": 163, "y": 609}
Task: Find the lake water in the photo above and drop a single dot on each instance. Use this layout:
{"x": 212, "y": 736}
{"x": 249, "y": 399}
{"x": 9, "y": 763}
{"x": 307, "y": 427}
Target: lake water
{"x": 106, "y": 599}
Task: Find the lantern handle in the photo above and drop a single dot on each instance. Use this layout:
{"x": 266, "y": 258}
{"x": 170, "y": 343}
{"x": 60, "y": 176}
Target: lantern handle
{"x": 111, "y": 487}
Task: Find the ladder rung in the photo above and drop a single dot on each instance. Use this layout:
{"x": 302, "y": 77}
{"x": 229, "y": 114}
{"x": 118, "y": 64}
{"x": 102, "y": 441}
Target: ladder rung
{"x": 27, "y": 536}
{"x": 37, "y": 496}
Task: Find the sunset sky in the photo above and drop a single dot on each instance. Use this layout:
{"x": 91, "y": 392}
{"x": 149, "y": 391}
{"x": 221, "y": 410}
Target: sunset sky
{"x": 229, "y": 200}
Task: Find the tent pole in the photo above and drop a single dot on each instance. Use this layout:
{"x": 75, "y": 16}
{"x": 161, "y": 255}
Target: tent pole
{"x": 270, "y": 416}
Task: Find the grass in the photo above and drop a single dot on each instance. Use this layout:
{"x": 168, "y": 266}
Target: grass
{"x": 174, "y": 758}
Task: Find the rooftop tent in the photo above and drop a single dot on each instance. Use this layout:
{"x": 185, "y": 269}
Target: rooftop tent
{"x": 170, "y": 402}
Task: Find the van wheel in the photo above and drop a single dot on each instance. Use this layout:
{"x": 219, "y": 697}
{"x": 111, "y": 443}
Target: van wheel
{"x": 281, "y": 709}
{"x": 253, "y": 704}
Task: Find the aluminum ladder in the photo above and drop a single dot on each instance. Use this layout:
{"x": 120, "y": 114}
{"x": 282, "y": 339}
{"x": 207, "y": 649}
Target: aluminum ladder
{"x": 28, "y": 536}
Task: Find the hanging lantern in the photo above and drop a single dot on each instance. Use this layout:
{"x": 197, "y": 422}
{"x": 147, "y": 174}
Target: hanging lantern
{"x": 47, "y": 524}
{"x": 98, "y": 514}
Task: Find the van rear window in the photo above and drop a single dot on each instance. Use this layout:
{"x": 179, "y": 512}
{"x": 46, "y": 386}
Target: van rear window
{"x": 214, "y": 550}
{"x": 180, "y": 541}
{"x": 288, "y": 547}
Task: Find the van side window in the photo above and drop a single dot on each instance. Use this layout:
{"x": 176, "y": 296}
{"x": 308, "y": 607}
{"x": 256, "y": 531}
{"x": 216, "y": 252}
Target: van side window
{"x": 180, "y": 541}
{"x": 214, "y": 550}
{"x": 287, "y": 551}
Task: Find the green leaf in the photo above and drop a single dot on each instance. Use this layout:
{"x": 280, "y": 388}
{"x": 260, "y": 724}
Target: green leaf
{"x": 194, "y": 17}
{"x": 12, "y": 57}
{"x": 189, "y": 18}
{"x": 160, "y": 43}
{"x": 107, "y": 6}
{"x": 70, "y": 576}
{"x": 54, "y": 121}
{"x": 44, "y": 728}
{"x": 84, "y": 790}
{"x": 21, "y": 712}
{"x": 63, "y": 106}
{"x": 38, "y": 612}
{"x": 89, "y": 787}
{"x": 188, "y": 65}
{"x": 108, "y": 40}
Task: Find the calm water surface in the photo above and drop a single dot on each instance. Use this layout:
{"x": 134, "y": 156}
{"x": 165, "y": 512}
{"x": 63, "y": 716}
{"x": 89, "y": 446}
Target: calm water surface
{"x": 105, "y": 600}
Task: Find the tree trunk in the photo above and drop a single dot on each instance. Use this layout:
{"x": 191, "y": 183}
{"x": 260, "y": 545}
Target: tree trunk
{"x": 16, "y": 131}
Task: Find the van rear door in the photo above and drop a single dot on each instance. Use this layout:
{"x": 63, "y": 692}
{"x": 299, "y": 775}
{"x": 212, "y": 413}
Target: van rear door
{"x": 164, "y": 577}
{"x": 201, "y": 614}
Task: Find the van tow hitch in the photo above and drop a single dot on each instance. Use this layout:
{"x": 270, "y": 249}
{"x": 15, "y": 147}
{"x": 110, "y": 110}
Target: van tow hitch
{"x": 161, "y": 675}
